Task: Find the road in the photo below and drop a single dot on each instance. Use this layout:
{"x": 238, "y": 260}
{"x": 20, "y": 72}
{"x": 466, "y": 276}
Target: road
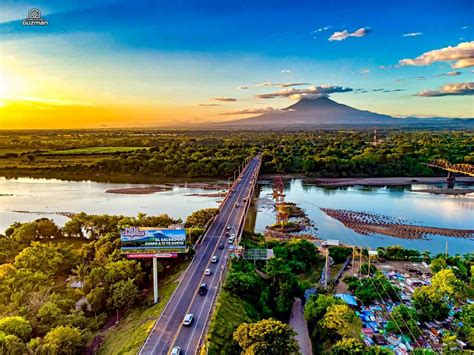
{"x": 168, "y": 330}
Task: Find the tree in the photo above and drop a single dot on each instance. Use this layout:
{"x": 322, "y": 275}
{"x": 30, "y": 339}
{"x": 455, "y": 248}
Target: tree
{"x": 201, "y": 217}
{"x": 364, "y": 268}
{"x": 316, "y": 307}
{"x": 341, "y": 319}
{"x": 49, "y": 316}
{"x": 11, "y": 344}
{"x": 269, "y": 336}
{"x": 403, "y": 319}
{"x": 449, "y": 343}
{"x": 429, "y": 304}
{"x": 44, "y": 257}
{"x": 122, "y": 294}
{"x": 17, "y": 326}
{"x": 348, "y": 346}
{"x": 63, "y": 340}
{"x": 242, "y": 283}
{"x": 446, "y": 282}
{"x": 438, "y": 264}
{"x": 97, "y": 298}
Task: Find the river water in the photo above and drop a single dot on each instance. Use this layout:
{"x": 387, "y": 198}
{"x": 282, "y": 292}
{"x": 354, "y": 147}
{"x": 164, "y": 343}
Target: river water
{"x": 50, "y": 195}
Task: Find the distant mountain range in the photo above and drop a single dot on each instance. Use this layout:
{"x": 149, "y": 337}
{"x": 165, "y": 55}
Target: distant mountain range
{"x": 326, "y": 113}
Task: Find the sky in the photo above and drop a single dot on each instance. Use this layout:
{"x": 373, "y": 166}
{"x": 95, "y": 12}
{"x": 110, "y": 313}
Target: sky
{"x": 163, "y": 63}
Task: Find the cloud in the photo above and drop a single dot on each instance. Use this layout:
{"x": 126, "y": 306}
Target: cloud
{"x": 342, "y": 35}
{"x": 412, "y": 34}
{"x": 455, "y": 89}
{"x": 243, "y": 87}
{"x": 451, "y": 73}
{"x": 281, "y": 85}
{"x": 322, "y": 29}
{"x": 210, "y": 105}
{"x": 306, "y": 92}
{"x": 365, "y": 71}
{"x": 462, "y": 55}
{"x": 48, "y": 101}
{"x": 224, "y": 99}
{"x": 254, "y": 111}
{"x": 287, "y": 71}
{"x": 465, "y": 27}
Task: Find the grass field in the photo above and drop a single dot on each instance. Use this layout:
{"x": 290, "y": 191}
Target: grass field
{"x": 93, "y": 150}
{"x": 230, "y": 312}
{"x": 129, "y": 335}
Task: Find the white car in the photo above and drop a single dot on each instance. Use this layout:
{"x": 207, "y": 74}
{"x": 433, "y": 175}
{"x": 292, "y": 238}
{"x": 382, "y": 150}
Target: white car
{"x": 229, "y": 227}
{"x": 188, "y": 319}
{"x": 232, "y": 235}
{"x": 208, "y": 272}
{"x": 214, "y": 259}
{"x": 176, "y": 350}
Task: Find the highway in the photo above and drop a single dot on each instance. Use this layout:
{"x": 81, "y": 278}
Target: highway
{"x": 168, "y": 330}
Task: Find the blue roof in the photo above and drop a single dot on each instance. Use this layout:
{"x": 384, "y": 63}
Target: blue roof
{"x": 349, "y": 299}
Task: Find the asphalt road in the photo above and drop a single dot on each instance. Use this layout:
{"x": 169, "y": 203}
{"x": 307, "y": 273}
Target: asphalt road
{"x": 168, "y": 330}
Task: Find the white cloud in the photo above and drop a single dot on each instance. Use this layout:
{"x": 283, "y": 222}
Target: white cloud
{"x": 365, "y": 71}
{"x": 412, "y": 34}
{"x": 455, "y": 89}
{"x": 266, "y": 83}
{"x": 462, "y": 55}
{"x": 224, "y": 99}
{"x": 312, "y": 90}
{"x": 342, "y": 35}
{"x": 322, "y": 29}
{"x": 281, "y": 85}
{"x": 253, "y": 111}
{"x": 287, "y": 71}
{"x": 243, "y": 87}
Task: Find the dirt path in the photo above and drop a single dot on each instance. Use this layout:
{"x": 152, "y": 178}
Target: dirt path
{"x": 298, "y": 323}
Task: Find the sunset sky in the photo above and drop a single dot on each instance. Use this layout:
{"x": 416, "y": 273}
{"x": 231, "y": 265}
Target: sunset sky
{"x": 161, "y": 63}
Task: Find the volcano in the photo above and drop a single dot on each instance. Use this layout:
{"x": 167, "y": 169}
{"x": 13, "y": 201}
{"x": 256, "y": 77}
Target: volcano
{"x": 326, "y": 113}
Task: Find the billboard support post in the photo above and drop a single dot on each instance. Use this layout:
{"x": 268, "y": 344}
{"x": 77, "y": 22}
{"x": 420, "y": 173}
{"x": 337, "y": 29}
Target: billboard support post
{"x": 155, "y": 280}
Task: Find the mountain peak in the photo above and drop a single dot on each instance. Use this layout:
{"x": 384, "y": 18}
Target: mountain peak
{"x": 311, "y": 104}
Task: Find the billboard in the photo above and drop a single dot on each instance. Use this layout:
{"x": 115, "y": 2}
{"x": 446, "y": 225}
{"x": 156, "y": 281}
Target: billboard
{"x": 146, "y": 240}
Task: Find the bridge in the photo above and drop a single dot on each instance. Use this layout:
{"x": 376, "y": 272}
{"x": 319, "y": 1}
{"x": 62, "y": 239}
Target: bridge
{"x": 466, "y": 169}
{"x": 168, "y": 330}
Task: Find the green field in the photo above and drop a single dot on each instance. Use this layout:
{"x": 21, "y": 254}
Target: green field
{"x": 93, "y": 150}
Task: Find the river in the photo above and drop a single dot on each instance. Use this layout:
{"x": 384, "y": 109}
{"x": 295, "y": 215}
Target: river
{"x": 51, "y": 195}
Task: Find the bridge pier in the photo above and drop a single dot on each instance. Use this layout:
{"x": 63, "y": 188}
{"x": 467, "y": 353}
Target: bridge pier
{"x": 451, "y": 179}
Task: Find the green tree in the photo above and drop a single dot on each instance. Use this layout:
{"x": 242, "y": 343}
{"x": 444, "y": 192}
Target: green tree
{"x": 429, "y": 304}
{"x": 97, "y": 298}
{"x": 269, "y": 336}
{"x": 342, "y": 320}
{"x": 403, "y": 319}
{"x": 200, "y": 218}
{"x": 438, "y": 264}
{"x": 63, "y": 340}
{"x": 446, "y": 282}
{"x": 242, "y": 283}
{"x": 11, "y": 344}
{"x": 348, "y": 346}
{"x": 44, "y": 257}
{"x": 449, "y": 343}
{"x": 122, "y": 294}
{"x": 16, "y": 325}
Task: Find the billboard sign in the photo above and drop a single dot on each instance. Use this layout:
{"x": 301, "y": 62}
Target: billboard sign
{"x": 146, "y": 240}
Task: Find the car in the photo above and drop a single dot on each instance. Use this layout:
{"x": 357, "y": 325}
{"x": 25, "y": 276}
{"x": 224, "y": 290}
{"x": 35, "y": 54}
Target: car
{"x": 221, "y": 246}
{"x": 236, "y": 204}
{"x": 229, "y": 227}
{"x": 188, "y": 319}
{"x": 230, "y": 241}
{"x": 214, "y": 259}
{"x": 245, "y": 200}
{"x": 176, "y": 350}
{"x": 208, "y": 272}
{"x": 226, "y": 234}
{"x": 232, "y": 235}
{"x": 203, "y": 289}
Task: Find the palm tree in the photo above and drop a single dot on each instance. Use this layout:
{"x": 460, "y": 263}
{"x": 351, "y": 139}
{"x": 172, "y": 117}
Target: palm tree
{"x": 79, "y": 274}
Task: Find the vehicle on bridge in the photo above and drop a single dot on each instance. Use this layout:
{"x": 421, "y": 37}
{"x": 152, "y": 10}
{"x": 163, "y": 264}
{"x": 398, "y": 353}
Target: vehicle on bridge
{"x": 176, "y": 350}
{"x": 214, "y": 259}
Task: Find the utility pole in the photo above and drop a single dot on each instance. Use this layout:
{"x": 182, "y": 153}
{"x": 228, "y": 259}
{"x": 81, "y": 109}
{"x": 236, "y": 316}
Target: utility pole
{"x": 446, "y": 249}
{"x": 360, "y": 259}
{"x": 326, "y": 270}
{"x": 155, "y": 280}
{"x": 368, "y": 269}
{"x": 353, "y": 257}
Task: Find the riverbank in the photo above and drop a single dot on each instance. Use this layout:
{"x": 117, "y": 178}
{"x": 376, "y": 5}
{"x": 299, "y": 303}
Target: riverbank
{"x": 383, "y": 181}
